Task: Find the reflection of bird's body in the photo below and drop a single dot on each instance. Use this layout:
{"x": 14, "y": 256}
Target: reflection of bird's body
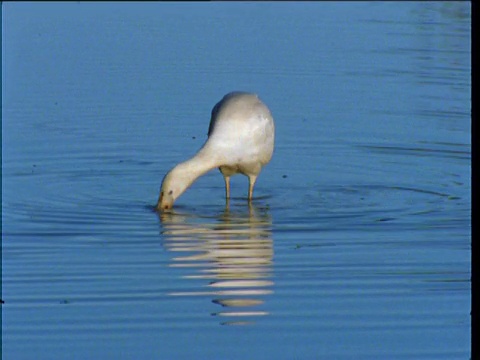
{"x": 240, "y": 140}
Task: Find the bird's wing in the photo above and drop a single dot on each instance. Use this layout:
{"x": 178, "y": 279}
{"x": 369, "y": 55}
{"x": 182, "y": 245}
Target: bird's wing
{"x": 213, "y": 119}
{"x": 216, "y": 108}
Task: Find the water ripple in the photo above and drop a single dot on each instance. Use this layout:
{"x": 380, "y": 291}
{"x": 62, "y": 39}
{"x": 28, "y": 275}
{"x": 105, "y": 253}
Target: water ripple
{"x": 233, "y": 251}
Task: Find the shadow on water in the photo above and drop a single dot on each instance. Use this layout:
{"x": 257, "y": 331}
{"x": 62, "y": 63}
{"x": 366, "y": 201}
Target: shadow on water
{"x": 233, "y": 250}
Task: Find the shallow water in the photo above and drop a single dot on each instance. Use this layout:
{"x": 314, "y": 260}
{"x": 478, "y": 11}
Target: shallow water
{"x": 357, "y": 244}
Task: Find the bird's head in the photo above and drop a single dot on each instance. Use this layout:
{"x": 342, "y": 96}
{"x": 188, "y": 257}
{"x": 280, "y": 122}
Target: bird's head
{"x": 168, "y": 194}
{"x": 173, "y": 185}
{"x": 165, "y": 201}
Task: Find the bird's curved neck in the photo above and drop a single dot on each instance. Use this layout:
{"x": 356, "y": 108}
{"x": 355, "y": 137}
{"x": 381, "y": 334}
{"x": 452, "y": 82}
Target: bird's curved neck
{"x": 196, "y": 166}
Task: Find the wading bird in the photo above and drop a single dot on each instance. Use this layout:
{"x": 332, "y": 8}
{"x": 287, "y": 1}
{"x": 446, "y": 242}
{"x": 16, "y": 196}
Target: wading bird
{"x": 240, "y": 141}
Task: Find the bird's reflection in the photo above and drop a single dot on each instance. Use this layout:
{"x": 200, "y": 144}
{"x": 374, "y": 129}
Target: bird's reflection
{"x": 233, "y": 250}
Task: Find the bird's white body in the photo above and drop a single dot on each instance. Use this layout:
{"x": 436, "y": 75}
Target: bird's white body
{"x": 240, "y": 140}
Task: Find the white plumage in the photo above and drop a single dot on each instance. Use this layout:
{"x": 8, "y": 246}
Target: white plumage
{"x": 240, "y": 140}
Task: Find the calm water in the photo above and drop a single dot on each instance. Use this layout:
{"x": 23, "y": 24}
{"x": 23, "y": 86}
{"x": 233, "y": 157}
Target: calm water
{"x": 357, "y": 245}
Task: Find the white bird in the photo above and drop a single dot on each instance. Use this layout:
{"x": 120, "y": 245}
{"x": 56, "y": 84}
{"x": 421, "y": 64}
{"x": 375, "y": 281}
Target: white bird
{"x": 240, "y": 140}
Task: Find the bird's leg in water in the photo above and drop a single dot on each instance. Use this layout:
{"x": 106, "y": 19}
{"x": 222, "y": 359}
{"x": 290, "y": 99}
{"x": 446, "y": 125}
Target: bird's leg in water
{"x": 251, "y": 184}
{"x": 227, "y": 187}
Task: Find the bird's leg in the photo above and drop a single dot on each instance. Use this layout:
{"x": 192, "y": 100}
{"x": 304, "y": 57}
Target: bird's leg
{"x": 227, "y": 187}
{"x": 251, "y": 184}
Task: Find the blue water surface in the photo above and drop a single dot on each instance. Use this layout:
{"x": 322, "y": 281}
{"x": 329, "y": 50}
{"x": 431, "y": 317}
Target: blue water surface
{"x": 357, "y": 243}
